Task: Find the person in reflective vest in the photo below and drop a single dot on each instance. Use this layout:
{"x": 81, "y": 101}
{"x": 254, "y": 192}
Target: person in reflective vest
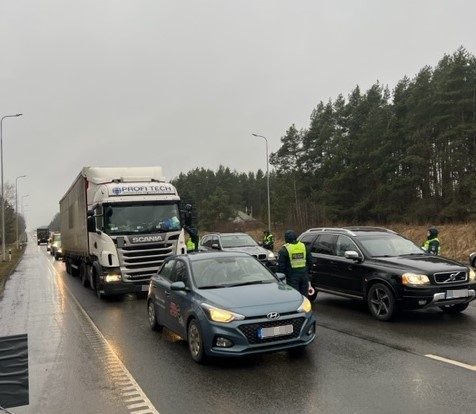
{"x": 190, "y": 246}
{"x": 268, "y": 240}
{"x": 294, "y": 262}
{"x": 432, "y": 243}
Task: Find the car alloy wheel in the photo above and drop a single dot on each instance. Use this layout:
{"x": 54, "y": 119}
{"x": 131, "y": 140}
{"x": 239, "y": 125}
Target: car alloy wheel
{"x": 195, "y": 343}
{"x": 381, "y": 302}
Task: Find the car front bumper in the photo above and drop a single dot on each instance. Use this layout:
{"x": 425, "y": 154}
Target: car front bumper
{"x": 241, "y": 341}
{"x": 437, "y": 296}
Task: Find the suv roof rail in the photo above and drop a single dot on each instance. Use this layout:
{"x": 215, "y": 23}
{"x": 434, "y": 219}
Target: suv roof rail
{"x": 370, "y": 228}
{"x": 339, "y": 229}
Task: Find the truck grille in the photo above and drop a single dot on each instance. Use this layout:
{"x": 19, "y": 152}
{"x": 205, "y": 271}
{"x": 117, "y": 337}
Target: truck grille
{"x": 450, "y": 277}
{"x": 251, "y": 330}
{"x": 140, "y": 262}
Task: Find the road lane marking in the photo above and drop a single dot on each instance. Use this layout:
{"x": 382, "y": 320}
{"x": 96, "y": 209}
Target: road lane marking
{"x": 125, "y": 382}
{"x": 452, "y": 362}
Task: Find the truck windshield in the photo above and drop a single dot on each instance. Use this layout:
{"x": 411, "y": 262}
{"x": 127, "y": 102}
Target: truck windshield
{"x": 127, "y": 218}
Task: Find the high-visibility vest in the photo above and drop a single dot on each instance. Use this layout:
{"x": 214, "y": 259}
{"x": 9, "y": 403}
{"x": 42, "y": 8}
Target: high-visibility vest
{"x": 432, "y": 246}
{"x": 297, "y": 254}
{"x": 190, "y": 245}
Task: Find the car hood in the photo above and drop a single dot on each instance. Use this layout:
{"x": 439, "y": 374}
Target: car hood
{"x": 253, "y": 250}
{"x": 422, "y": 263}
{"x": 255, "y": 300}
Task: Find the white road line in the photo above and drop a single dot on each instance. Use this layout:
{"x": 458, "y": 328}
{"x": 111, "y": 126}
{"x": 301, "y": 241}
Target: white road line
{"x": 452, "y": 362}
{"x": 114, "y": 360}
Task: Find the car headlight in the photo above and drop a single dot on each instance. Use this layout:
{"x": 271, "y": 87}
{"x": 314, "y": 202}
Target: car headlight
{"x": 472, "y": 275}
{"x": 112, "y": 277}
{"x": 414, "y": 279}
{"x": 271, "y": 256}
{"x": 305, "y": 306}
{"x": 221, "y": 315}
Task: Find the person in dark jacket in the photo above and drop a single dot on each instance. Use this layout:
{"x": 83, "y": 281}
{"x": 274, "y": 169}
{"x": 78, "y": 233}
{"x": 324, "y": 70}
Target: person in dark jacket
{"x": 294, "y": 261}
{"x": 432, "y": 243}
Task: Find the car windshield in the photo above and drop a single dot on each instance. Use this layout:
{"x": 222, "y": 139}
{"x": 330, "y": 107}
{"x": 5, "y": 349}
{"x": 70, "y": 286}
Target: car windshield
{"x": 237, "y": 240}
{"x": 389, "y": 245}
{"x": 141, "y": 218}
{"x": 224, "y": 272}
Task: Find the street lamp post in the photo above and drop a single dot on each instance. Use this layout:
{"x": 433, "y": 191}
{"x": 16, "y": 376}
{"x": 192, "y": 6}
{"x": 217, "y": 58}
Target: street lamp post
{"x": 267, "y": 179}
{"x": 3, "y": 189}
{"x": 16, "y": 209}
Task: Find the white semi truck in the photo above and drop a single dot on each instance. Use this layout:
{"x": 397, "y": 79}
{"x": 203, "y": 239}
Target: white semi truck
{"x": 117, "y": 227}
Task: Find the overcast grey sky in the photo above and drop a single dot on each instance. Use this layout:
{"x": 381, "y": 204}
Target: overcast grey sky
{"x": 184, "y": 83}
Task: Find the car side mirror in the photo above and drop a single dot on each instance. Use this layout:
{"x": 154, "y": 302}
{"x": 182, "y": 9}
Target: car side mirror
{"x": 215, "y": 246}
{"x": 178, "y": 286}
{"x": 353, "y": 255}
{"x": 281, "y": 277}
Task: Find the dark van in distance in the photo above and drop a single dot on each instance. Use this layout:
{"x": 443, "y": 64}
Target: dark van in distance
{"x": 42, "y": 235}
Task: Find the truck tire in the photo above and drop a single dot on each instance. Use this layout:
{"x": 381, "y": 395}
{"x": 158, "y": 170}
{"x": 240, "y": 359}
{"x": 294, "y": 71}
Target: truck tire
{"x": 83, "y": 274}
{"x": 68, "y": 267}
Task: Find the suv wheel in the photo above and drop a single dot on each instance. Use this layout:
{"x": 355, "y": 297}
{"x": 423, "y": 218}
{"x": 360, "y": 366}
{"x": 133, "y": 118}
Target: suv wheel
{"x": 454, "y": 309}
{"x": 381, "y": 302}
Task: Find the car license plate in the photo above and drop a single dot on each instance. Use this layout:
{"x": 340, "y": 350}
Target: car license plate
{"x": 145, "y": 288}
{"x": 454, "y": 294}
{"x": 275, "y": 331}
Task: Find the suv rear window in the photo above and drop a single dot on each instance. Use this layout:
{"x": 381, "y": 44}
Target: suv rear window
{"x": 325, "y": 244}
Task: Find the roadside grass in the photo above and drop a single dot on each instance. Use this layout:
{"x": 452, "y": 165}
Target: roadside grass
{"x": 7, "y": 268}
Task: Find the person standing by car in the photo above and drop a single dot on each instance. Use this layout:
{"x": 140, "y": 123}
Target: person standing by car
{"x": 190, "y": 246}
{"x": 293, "y": 261}
{"x": 268, "y": 240}
{"x": 432, "y": 243}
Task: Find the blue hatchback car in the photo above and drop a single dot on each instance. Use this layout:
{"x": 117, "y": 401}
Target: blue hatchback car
{"x": 228, "y": 304}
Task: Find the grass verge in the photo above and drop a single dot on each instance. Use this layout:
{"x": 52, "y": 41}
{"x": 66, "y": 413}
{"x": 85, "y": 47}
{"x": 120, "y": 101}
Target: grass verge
{"x": 7, "y": 268}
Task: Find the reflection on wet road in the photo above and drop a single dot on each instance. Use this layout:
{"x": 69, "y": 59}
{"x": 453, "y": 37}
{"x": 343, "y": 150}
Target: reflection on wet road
{"x": 356, "y": 364}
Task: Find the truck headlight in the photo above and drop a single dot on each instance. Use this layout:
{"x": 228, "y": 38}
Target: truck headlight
{"x": 412, "y": 279}
{"x": 221, "y": 315}
{"x": 60, "y": 250}
{"x": 305, "y": 306}
{"x": 112, "y": 277}
{"x": 472, "y": 275}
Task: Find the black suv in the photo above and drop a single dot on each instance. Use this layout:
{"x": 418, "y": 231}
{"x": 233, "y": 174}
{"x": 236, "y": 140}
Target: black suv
{"x": 386, "y": 270}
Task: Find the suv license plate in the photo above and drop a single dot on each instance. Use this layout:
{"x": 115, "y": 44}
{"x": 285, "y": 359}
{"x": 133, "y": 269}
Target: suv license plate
{"x": 454, "y": 294}
{"x": 275, "y": 331}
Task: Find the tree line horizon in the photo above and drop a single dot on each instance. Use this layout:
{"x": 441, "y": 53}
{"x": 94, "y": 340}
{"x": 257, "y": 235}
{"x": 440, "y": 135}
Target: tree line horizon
{"x": 379, "y": 156}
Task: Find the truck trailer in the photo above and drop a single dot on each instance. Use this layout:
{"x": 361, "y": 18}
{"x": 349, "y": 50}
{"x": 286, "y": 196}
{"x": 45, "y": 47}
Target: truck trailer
{"x": 117, "y": 227}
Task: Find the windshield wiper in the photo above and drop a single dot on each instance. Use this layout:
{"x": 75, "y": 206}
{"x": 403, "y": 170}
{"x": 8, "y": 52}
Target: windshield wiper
{"x": 255, "y": 282}
{"x": 213, "y": 286}
{"x": 412, "y": 254}
{"x": 384, "y": 255}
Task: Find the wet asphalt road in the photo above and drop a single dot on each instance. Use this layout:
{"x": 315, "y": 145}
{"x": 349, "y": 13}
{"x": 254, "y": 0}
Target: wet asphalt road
{"x": 356, "y": 365}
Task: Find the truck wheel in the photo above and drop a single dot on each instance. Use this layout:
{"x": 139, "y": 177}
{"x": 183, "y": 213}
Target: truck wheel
{"x": 97, "y": 287}
{"x": 454, "y": 309}
{"x": 68, "y": 267}
{"x": 83, "y": 274}
{"x": 381, "y": 302}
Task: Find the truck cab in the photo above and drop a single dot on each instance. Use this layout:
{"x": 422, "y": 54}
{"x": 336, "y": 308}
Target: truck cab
{"x": 132, "y": 223}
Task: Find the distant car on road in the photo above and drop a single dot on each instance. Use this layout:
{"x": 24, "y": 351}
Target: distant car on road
{"x": 238, "y": 242}
{"x": 472, "y": 259}
{"x": 55, "y": 249}
{"x": 386, "y": 270}
{"x": 227, "y": 304}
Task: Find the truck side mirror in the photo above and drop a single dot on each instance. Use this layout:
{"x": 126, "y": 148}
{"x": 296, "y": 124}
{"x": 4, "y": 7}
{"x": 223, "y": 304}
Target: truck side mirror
{"x": 91, "y": 222}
